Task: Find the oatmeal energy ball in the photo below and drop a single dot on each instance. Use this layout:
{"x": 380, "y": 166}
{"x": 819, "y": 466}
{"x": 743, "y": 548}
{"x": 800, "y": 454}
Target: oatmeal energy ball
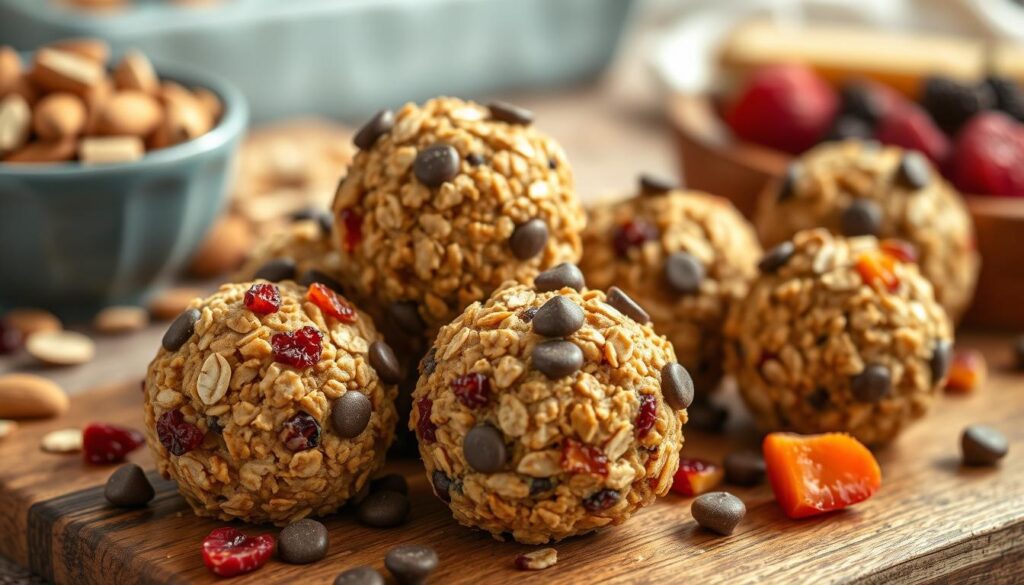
{"x": 685, "y": 256}
{"x": 270, "y": 402}
{"x": 550, "y": 411}
{"x": 838, "y": 335}
{"x": 446, "y": 201}
{"x": 858, "y": 188}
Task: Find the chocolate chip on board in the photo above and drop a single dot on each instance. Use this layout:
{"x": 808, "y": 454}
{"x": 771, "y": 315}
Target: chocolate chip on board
{"x": 983, "y": 445}
{"x": 128, "y": 487}
{"x": 560, "y": 276}
{"x": 180, "y": 330}
{"x": 383, "y": 509}
{"x": 360, "y": 576}
{"x": 718, "y": 512}
{"x": 302, "y": 542}
{"x": 529, "y": 239}
{"x": 557, "y": 358}
{"x": 411, "y": 564}
{"x": 558, "y": 317}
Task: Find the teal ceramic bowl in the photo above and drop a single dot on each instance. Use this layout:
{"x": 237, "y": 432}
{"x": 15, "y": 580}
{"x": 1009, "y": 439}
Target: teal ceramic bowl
{"x": 75, "y": 238}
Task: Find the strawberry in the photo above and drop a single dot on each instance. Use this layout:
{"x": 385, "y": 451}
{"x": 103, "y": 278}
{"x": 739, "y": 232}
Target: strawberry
{"x": 989, "y": 156}
{"x": 910, "y": 127}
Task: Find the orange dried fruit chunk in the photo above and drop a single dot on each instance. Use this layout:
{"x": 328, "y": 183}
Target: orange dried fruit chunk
{"x": 877, "y": 268}
{"x": 967, "y": 372}
{"x": 696, "y": 477}
{"x": 901, "y": 250}
{"x": 815, "y": 474}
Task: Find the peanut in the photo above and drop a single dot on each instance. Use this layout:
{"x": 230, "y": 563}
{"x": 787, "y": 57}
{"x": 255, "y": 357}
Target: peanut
{"x": 10, "y": 69}
{"x": 15, "y": 119}
{"x": 59, "y": 115}
{"x": 30, "y": 396}
{"x": 44, "y": 152}
{"x": 136, "y": 72}
{"x": 28, "y": 321}
{"x": 56, "y": 70}
{"x": 129, "y": 113}
{"x": 96, "y": 49}
{"x": 110, "y": 149}
{"x": 61, "y": 348}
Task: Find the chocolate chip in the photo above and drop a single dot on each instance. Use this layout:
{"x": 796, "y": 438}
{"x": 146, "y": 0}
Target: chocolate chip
{"x": 320, "y": 216}
{"x": 684, "y": 273}
{"x": 707, "y": 417}
{"x": 484, "y": 449}
{"x": 475, "y": 159}
{"x": 406, "y": 316}
{"x": 558, "y": 317}
{"x": 276, "y": 270}
{"x": 214, "y": 426}
{"x": 676, "y": 386}
{"x": 560, "y": 276}
{"x": 302, "y": 542}
{"x": 552, "y": 164}
{"x": 442, "y": 483}
{"x": 380, "y": 124}
{"x": 872, "y": 384}
{"x": 181, "y": 330}
{"x": 776, "y": 258}
{"x": 745, "y": 467}
{"x": 360, "y": 495}
{"x": 787, "y": 188}
{"x": 383, "y": 509}
{"x": 128, "y": 487}
{"x": 392, "y": 482}
{"x": 557, "y": 358}
{"x": 914, "y": 171}
{"x": 820, "y": 399}
{"x": 983, "y": 445}
{"x": 313, "y": 276}
{"x": 360, "y": 576}
{"x": 384, "y": 362}
{"x": 718, "y": 512}
{"x": 942, "y": 356}
{"x": 506, "y": 112}
{"x": 411, "y": 564}
{"x": 627, "y": 306}
{"x": 529, "y": 239}
{"x": 540, "y": 485}
{"x": 436, "y": 164}
{"x": 429, "y": 362}
{"x": 655, "y": 185}
{"x": 863, "y": 217}
{"x": 351, "y": 413}
{"x": 849, "y": 127}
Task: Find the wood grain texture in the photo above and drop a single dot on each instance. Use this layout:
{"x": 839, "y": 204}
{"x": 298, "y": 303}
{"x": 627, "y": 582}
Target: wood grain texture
{"x": 932, "y": 522}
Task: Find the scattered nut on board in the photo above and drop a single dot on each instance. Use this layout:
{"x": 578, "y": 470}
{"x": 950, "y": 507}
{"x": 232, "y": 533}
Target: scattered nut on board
{"x": 60, "y": 348}
{"x": 7, "y": 428}
{"x": 29, "y": 321}
{"x": 121, "y": 319}
{"x": 225, "y": 247}
{"x": 537, "y": 560}
{"x": 30, "y": 396}
{"x": 62, "y": 441}
{"x": 170, "y": 302}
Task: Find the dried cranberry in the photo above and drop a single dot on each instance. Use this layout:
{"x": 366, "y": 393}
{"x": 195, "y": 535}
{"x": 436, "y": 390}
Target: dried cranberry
{"x": 176, "y": 434}
{"x": 528, "y": 315}
{"x": 227, "y": 552}
{"x": 10, "y": 338}
{"x": 300, "y": 432}
{"x": 696, "y": 476}
{"x": 353, "y": 223}
{"x": 601, "y": 500}
{"x": 330, "y": 303}
{"x": 632, "y": 234}
{"x": 103, "y": 443}
{"x": 426, "y": 429}
{"x": 579, "y": 457}
{"x": 263, "y": 299}
{"x": 647, "y": 415}
{"x": 472, "y": 390}
{"x": 298, "y": 349}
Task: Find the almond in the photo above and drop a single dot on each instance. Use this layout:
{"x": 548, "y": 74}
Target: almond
{"x": 123, "y": 319}
{"x": 56, "y": 70}
{"x": 110, "y": 149}
{"x": 62, "y": 441}
{"x": 91, "y": 48}
{"x": 15, "y": 123}
{"x": 10, "y": 69}
{"x": 59, "y": 115}
{"x": 29, "y": 321}
{"x": 61, "y": 348}
{"x": 213, "y": 379}
{"x": 224, "y": 248}
{"x": 129, "y": 113}
{"x": 136, "y": 72}
{"x": 30, "y": 396}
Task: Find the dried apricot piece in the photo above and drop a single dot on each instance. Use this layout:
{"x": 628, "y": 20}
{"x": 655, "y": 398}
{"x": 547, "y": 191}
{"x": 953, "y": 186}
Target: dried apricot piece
{"x": 814, "y": 474}
{"x": 877, "y": 268}
{"x": 967, "y": 372}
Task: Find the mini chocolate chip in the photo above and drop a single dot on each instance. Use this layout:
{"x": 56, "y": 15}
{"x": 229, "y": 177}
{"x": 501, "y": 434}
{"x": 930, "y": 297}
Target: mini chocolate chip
{"x": 351, "y": 413}
{"x": 528, "y": 315}
{"x": 560, "y": 276}
{"x": 872, "y": 384}
{"x": 655, "y": 185}
{"x": 383, "y": 509}
{"x": 718, "y": 512}
{"x": 128, "y": 487}
{"x": 942, "y": 356}
{"x": 558, "y": 317}
{"x": 429, "y": 362}
{"x": 983, "y": 445}
{"x": 557, "y": 358}
{"x": 707, "y": 417}
{"x": 552, "y": 164}
{"x": 863, "y": 217}
{"x": 676, "y": 386}
{"x": 776, "y": 257}
{"x": 539, "y": 485}
{"x": 436, "y": 164}
{"x": 529, "y": 239}
{"x": 302, "y": 542}
{"x": 684, "y": 273}
{"x": 744, "y": 467}
{"x": 276, "y": 270}
{"x": 392, "y": 482}
{"x": 360, "y": 576}
{"x": 213, "y": 424}
{"x": 510, "y": 114}
{"x": 384, "y": 362}
{"x": 313, "y": 275}
{"x": 406, "y": 316}
{"x": 474, "y": 158}
{"x": 442, "y": 483}
{"x": 624, "y": 304}
{"x": 484, "y": 449}
{"x": 787, "y": 188}
{"x": 320, "y": 216}
{"x": 181, "y": 330}
{"x": 914, "y": 171}
{"x": 380, "y": 124}
{"x": 820, "y": 398}
{"x": 411, "y": 564}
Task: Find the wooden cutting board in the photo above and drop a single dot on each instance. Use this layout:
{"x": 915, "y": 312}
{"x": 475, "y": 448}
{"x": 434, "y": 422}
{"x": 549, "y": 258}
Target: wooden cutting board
{"x": 932, "y": 522}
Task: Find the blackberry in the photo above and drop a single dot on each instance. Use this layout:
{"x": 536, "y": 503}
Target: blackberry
{"x": 1008, "y": 95}
{"x": 859, "y": 100}
{"x": 951, "y": 103}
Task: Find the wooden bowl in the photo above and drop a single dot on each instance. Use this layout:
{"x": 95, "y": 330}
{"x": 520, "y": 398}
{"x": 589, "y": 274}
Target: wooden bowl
{"x": 715, "y": 162}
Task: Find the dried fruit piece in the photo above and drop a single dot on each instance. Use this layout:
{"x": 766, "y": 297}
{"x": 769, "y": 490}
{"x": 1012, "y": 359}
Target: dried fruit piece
{"x": 330, "y": 303}
{"x": 877, "y": 269}
{"x": 537, "y": 560}
{"x": 814, "y": 474}
{"x": 901, "y": 250}
{"x": 473, "y": 390}
{"x": 298, "y": 349}
{"x": 633, "y": 234}
{"x": 263, "y": 298}
{"x": 579, "y": 457}
{"x": 427, "y": 430}
{"x": 601, "y": 500}
{"x": 648, "y": 413}
{"x": 967, "y": 372}
{"x": 176, "y": 434}
{"x": 104, "y": 443}
{"x": 353, "y": 233}
{"x": 300, "y": 432}
{"x": 227, "y": 552}
{"x": 696, "y": 476}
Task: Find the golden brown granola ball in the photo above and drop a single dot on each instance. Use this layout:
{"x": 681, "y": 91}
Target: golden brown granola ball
{"x": 270, "y": 402}
{"x": 551, "y": 411}
{"x": 858, "y": 188}
{"x": 302, "y": 251}
{"x": 838, "y": 335}
{"x": 685, "y": 256}
{"x": 445, "y": 202}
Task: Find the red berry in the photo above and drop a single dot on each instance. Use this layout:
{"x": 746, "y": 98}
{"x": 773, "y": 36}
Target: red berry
{"x": 901, "y": 250}
{"x": 910, "y": 127}
{"x": 103, "y": 443}
{"x": 300, "y": 432}
{"x": 227, "y": 552}
{"x": 353, "y": 223}
{"x": 263, "y": 299}
{"x": 579, "y": 457}
{"x": 696, "y": 477}
{"x": 633, "y": 234}
{"x": 601, "y": 500}
{"x": 330, "y": 303}
{"x": 426, "y": 429}
{"x": 176, "y": 434}
{"x": 647, "y": 415}
{"x": 472, "y": 390}
{"x": 989, "y": 156}
{"x": 786, "y": 107}
{"x": 298, "y": 349}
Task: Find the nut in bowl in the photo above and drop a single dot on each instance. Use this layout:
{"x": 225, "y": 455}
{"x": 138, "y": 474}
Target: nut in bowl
{"x": 81, "y": 234}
